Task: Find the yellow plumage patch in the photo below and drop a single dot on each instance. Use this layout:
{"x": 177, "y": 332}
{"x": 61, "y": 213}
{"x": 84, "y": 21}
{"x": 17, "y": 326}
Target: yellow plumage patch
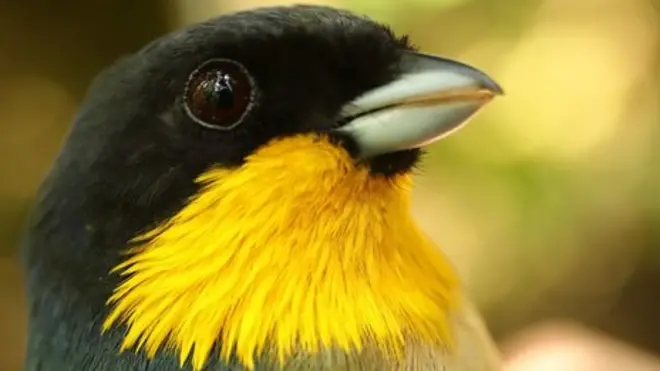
{"x": 297, "y": 250}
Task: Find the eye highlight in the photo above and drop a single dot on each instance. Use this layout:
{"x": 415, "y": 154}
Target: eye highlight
{"x": 219, "y": 93}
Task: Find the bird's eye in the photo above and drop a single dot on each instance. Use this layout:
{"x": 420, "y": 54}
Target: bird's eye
{"x": 218, "y": 94}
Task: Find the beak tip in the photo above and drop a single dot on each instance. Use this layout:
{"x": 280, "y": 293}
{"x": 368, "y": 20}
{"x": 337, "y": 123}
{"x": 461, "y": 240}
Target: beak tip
{"x": 492, "y": 86}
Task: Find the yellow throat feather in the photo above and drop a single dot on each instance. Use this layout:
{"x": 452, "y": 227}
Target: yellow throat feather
{"x": 298, "y": 249}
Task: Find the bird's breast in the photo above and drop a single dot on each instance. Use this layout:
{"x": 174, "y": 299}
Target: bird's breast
{"x": 326, "y": 259}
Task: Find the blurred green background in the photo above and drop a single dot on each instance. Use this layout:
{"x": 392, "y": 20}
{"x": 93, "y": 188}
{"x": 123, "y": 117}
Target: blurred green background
{"x": 548, "y": 202}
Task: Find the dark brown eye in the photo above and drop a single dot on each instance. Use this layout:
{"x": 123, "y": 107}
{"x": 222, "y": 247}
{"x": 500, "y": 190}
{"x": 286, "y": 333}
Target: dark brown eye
{"x": 219, "y": 93}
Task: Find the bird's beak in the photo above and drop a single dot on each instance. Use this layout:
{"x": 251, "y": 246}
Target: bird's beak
{"x": 432, "y": 98}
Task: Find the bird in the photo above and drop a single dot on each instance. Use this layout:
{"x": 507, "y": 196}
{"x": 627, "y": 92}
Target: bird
{"x": 236, "y": 194}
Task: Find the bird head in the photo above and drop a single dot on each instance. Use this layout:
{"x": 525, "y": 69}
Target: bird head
{"x": 244, "y": 183}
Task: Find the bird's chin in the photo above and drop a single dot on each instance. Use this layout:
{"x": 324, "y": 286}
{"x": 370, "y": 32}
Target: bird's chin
{"x": 388, "y": 164}
{"x": 395, "y": 163}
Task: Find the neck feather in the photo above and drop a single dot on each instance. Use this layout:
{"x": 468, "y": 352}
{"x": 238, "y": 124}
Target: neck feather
{"x": 266, "y": 259}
